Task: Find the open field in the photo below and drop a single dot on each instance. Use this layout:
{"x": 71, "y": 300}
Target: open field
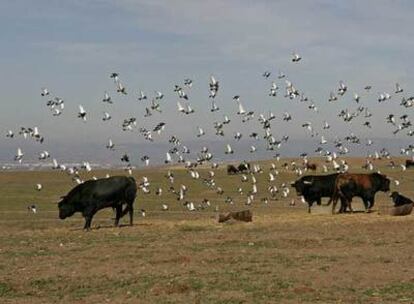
{"x": 284, "y": 256}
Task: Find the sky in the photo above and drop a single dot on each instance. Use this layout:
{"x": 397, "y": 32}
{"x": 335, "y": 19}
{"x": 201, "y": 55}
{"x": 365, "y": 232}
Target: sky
{"x": 71, "y": 47}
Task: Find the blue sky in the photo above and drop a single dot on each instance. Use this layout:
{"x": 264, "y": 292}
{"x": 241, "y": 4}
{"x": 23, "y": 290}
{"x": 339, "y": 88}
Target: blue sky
{"x": 71, "y": 47}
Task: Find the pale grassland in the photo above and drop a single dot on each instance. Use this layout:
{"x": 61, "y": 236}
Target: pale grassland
{"x": 284, "y": 256}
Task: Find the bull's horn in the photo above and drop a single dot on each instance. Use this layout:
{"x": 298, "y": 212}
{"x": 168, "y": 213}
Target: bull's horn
{"x": 307, "y": 182}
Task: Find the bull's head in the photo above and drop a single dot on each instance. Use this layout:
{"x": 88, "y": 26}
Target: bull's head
{"x": 66, "y": 208}
{"x": 385, "y": 184}
{"x": 394, "y": 195}
{"x": 300, "y": 185}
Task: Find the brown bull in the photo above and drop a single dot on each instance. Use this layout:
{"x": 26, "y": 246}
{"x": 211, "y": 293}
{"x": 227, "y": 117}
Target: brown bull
{"x": 365, "y": 186}
{"x": 311, "y": 167}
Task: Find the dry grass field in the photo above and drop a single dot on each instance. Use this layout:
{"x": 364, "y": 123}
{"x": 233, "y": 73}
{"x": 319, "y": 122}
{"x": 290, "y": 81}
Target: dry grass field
{"x": 284, "y": 256}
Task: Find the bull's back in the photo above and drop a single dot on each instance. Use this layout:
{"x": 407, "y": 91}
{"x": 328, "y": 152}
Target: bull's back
{"x": 322, "y": 185}
{"x": 106, "y": 189}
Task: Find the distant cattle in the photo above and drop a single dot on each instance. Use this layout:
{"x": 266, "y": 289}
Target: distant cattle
{"x": 409, "y": 163}
{"x": 314, "y": 187}
{"x": 365, "y": 186}
{"x": 94, "y": 195}
{"x": 231, "y": 170}
{"x": 400, "y": 200}
{"x": 244, "y": 167}
{"x": 311, "y": 167}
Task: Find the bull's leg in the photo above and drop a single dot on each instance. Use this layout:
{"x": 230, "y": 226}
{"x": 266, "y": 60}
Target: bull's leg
{"x": 118, "y": 209}
{"x": 131, "y": 214}
{"x": 350, "y": 206}
{"x": 88, "y": 215}
{"x": 371, "y": 203}
{"x": 342, "y": 206}
{"x": 125, "y": 210}
{"x": 368, "y": 205}
{"x": 334, "y": 201}
{"x": 88, "y": 222}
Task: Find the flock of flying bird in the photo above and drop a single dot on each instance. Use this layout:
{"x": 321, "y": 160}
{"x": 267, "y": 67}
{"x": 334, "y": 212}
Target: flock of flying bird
{"x": 181, "y": 154}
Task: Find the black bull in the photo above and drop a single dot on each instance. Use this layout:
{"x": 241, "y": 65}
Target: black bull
{"x": 94, "y": 195}
{"x": 314, "y": 187}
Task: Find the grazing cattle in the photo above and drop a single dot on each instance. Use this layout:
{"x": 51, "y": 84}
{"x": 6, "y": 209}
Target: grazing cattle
{"x": 365, "y": 186}
{"x": 400, "y": 200}
{"x": 311, "y": 167}
{"x": 94, "y": 195}
{"x": 231, "y": 170}
{"x": 314, "y": 187}
{"x": 244, "y": 167}
{"x": 409, "y": 163}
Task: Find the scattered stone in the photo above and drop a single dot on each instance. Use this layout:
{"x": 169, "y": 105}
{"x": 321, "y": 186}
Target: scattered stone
{"x": 402, "y": 210}
{"x": 245, "y": 216}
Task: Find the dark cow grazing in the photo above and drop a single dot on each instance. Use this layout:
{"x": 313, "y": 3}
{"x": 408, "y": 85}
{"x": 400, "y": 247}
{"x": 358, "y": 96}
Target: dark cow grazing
{"x": 231, "y": 170}
{"x": 400, "y": 200}
{"x": 409, "y": 163}
{"x": 311, "y": 167}
{"x": 244, "y": 167}
{"x": 314, "y": 187}
{"x": 94, "y": 195}
{"x": 364, "y": 186}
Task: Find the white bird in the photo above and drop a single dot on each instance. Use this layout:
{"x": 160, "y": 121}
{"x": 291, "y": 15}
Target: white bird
{"x": 190, "y": 206}
{"x": 238, "y": 136}
{"x": 39, "y": 187}
{"x": 44, "y": 92}
{"x": 167, "y": 158}
{"x": 82, "y": 113}
{"x": 241, "y": 111}
{"x": 142, "y": 96}
{"x": 214, "y": 107}
{"x": 398, "y": 88}
{"x": 87, "y": 166}
{"x": 10, "y": 134}
{"x": 342, "y": 88}
{"x": 55, "y": 164}
{"x": 287, "y": 116}
{"x": 19, "y": 155}
{"x": 273, "y": 89}
{"x": 296, "y": 57}
{"x": 229, "y": 150}
{"x": 164, "y": 207}
{"x": 180, "y": 107}
{"x": 32, "y": 208}
{"x": 158, "y": 95}
{"x": 332, "y": 97}
{"x": 200, "y": 132}
{"x": 254, "y": 189}
{"x": 106, "y": 117}
{"x": 44, "y": 155}
{"x": 107, "y": 98}
{"x": 356, "y": 97}
{"x": 110, "y": 145}
{"x": 120, "y": 88}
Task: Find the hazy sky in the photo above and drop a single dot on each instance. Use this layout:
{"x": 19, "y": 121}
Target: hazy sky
{"x": 71, "y": 47}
